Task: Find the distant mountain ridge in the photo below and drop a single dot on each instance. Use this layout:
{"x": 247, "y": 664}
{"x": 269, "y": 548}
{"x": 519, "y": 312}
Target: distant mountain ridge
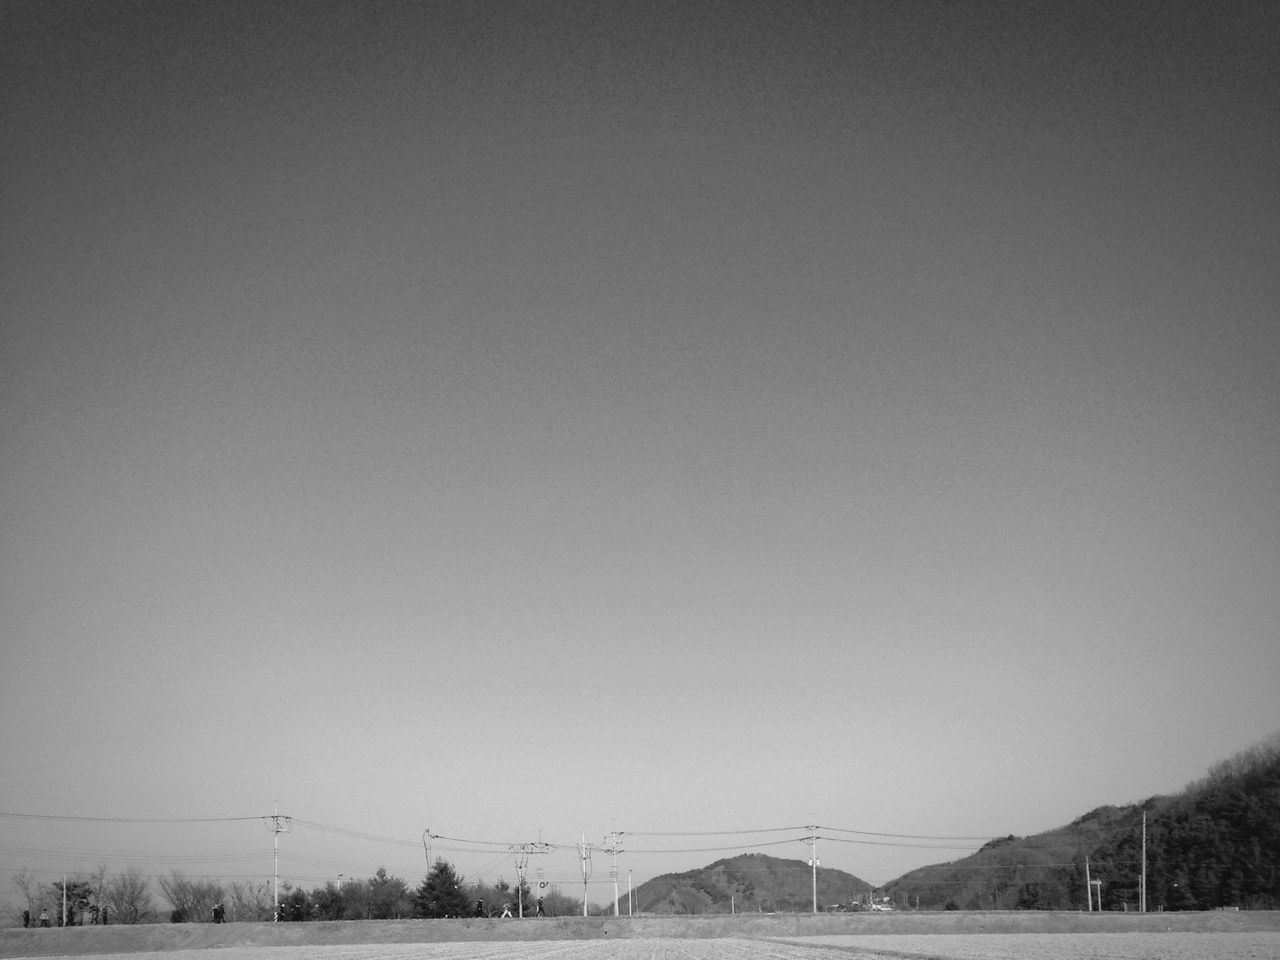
{"x": 749, "y": 883}
{"x": 1215, "y": 845}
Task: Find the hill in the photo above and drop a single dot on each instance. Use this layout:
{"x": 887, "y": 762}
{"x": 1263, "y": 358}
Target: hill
{"x": 1216, "y": 844}
{"x": 751, "y": 882}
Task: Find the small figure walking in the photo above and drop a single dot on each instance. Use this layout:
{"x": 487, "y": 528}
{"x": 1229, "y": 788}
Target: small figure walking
{"x": 44, "y": 918}
{"x": 506, "y": 909}
{"x": 26, "y": 918}
{"x": 541, "y": 912}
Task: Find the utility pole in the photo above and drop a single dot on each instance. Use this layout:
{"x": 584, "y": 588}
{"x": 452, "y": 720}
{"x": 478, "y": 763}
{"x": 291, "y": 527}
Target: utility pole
{"x": 1088, "y": 884}
{"x": 584, "y": 855}
{"x": 522, "y": 852}
{"x": 612, "y": 844}
{"x": 541, "y": 848}
{"x": 1142, "y": 906}
{"x": 812, "y": 840}
{"x": 277, "y": 826}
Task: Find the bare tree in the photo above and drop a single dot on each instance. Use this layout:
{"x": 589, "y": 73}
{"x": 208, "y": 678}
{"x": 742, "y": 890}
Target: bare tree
{"x": 250, "y": 901}
{"x": 192, "y": 900}
{"x": 25, "y": 881}
{"x": 127, "y": 897}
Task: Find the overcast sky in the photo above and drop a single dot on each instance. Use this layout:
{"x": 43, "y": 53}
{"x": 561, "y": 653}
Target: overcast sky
{"x": 540, "y": 419}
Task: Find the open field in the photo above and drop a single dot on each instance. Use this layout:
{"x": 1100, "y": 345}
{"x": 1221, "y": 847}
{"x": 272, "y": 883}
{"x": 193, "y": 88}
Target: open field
{"x": 952, "y": 936}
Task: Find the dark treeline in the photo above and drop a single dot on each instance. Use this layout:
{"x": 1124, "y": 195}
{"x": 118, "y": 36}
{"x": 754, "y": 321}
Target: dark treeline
{"x": 443, "y": 893}
{"x": 1215, "y": 845}
{"x": 127, "y": 898}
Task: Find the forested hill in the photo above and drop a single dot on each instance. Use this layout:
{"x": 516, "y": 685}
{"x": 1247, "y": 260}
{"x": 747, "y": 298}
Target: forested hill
{"x": 1216, "y": 844}
{"x": 747, "y": 883}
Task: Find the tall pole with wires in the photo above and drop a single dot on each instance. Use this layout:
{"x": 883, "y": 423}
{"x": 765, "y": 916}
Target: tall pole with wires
{"x": 613, "y": 843}
{"x": 584, "y": 855}
{"x": 812, "y": 840}
{"x": 277, "y": 826}
{"x": 521, "y": 851}
{"x": 1142, "y": 907}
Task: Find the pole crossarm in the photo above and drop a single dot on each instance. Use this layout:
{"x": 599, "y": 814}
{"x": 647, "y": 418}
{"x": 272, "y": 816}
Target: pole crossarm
{"x": 584, "y": 857}
{"x": 278, "y": 824}
{"x": 613, "y": 844}
{"x": 812, "y": 841}
{"x": 521, "y": 852}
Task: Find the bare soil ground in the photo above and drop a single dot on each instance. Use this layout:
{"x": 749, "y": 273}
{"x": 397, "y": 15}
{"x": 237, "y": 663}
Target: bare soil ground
{"x": 1253, "y": 935}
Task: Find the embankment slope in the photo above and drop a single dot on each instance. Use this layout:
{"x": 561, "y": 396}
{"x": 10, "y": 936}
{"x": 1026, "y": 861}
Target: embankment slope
{"x": 163, "y": 938}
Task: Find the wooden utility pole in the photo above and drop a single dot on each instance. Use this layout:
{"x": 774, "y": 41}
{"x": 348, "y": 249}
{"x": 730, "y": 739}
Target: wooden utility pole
{"x": 1142, "y": 907}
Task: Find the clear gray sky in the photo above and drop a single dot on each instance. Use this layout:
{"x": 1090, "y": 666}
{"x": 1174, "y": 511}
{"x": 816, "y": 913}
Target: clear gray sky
{"x": 542, "y": 419}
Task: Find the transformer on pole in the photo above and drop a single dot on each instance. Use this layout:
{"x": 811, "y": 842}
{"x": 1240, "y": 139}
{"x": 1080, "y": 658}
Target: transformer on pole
{"x": 812, "y": 840}
{"x": 522, "y": 852}
{"x": 584, "y": 855}
{"x": 277, "y": 826}
{"x": 613, "y": 844}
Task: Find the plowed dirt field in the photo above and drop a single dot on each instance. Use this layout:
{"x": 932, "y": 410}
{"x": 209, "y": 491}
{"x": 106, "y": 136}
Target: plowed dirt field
{"x": 1239, "y": 936}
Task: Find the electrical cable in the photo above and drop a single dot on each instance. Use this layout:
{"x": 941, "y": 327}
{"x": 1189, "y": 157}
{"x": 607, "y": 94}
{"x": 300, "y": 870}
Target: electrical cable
{"x": 902, "y": 836}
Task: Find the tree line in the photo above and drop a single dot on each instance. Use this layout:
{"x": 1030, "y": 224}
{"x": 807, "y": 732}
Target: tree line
{"x": 97, "y": 898}
{"x": 1215, "y": 845}
{"x": 129, "y": 898}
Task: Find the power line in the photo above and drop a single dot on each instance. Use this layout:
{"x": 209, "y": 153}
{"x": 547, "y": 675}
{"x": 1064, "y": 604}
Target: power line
{"x": 909, "y": 846}
{"x": 48, "y": 816}
{"x": 715, "y": 833}
{"x": 901, "y": 836}
{"x": 736, "y": 846}
{"x": 494, "y": 849}
{"x": 479, "y": 843}
{"x": 357, "y": 835}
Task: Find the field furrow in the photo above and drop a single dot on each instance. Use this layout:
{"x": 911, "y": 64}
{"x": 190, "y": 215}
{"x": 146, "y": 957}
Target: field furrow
{"x": 1150, "y": 945}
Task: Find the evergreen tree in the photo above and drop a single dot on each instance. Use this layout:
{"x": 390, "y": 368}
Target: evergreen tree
{"x": 388, "y": 896}
{"x": 441, "y": 893}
